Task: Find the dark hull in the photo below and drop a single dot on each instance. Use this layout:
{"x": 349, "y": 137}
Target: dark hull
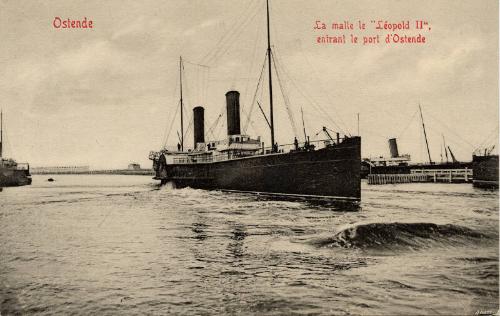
{"x": 332, "y": 172}
{"x": 14, "y": 177}
{"x": 485, "y": 170}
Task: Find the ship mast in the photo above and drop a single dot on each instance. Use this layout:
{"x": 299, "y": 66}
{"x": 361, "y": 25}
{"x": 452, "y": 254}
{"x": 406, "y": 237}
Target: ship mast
{"x": 182, "y": 106}
{"x": 425, "y": 134}
{"x": 303, "y": 125}
{"x": 274, "y": 149}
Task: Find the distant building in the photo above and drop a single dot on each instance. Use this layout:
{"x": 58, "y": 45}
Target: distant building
{"x": 134, "y": 166}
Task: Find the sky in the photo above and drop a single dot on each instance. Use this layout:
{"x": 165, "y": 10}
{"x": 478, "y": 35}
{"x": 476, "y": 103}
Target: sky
{"x": 107, "y": 96}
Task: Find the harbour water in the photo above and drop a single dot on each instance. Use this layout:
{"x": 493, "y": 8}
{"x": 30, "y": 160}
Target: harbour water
{"x": 118, "y": 245}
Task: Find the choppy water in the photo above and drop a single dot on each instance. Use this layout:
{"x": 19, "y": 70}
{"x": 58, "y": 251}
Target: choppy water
{"x": 119, "y": 245}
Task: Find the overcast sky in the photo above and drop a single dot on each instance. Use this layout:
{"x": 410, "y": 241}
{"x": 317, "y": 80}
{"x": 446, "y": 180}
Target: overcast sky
{"x": 106, "y": 96}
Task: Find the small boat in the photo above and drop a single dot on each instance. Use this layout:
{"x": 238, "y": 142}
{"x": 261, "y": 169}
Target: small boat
{"x": 11, "y": 172}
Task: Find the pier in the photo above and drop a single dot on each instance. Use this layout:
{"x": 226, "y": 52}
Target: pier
{"x": 39, "y": 171}
{"x": 424, "y": 175}
{"x": 446, "y": 175}
{"x": 396, "y": 178}
{"x": 140, "y": 172}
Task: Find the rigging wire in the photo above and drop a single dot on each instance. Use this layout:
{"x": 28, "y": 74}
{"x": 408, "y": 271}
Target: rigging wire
{"x": 243, "y": 108}
{"x": 494, "y": 132}
{"x": 220, "y": 127}
{"x": 219, "y": 50}
{"x": 450, "y": 139}
{"x": 285, "y": 99}
{"x": 6, "y": 141}
{"x": 220, "y": 130}
{"x": 207, "y": 80}
{"x": 400, "y": 134}
{"x": 186, "y": 91}
{"x": 171, "y": 125}
{"x": 227, "y": 41}
{"x": 166, "y": 134}
{"x": 184, "y": 61}
{"x": 253, "y": 59}
{"x": 326, "y": 94}
{"x": 305, "y": 95}
{"x": 188, "y": 101}
{"x": 252, "y": 104}
{"x": 228, "y": 46}
{"x": 188, "y": 129}
{"x": 261, "y": 98}
{"x": 198, "y": 84}
{"x": 446, "y": 127}
{"x": 226, "y": 35}
{"x": 214, "y": 125}
{"x": 201, "y": 79}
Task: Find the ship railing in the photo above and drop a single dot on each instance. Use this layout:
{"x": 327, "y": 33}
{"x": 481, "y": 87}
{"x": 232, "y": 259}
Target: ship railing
{"x": 283, "y": 148}
{"x": 175, "y": 149}
{"x": 302, "y": 146}
{"x": 183, "y": 161}
{"x": 188, "y": 160}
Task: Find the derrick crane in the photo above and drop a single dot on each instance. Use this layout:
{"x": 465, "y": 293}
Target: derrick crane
{"x": 325, "y": 130}
{"x": 452, "y": 155}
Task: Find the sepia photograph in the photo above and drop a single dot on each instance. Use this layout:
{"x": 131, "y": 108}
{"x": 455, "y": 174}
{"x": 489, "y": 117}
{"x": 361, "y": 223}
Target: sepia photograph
{"x": 250, "y": 157}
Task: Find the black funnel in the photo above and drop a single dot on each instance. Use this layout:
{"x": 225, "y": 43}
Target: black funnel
{"x": 393, "y": 147}
{"x": 233, "y": 112}
{"x": 199, "y": 125}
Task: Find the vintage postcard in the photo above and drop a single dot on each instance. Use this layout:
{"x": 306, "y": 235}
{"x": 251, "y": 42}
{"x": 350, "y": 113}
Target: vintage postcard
{"x": 253, "y": 157}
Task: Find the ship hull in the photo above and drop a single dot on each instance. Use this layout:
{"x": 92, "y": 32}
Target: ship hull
{"x": 485, "y": 169}
{"x": 14, "y": 177}
{"x": 332, "y": 172}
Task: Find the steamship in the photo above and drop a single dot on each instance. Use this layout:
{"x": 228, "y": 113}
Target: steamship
{"x": 401, "y": 164}
{"x": 11, "y": 172}
{"x": 326, "y": 169}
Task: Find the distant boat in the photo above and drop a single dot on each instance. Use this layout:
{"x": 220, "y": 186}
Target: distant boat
{"x": 485, "y": 168}
{"x": 11, "y": 172}
{"x": 401, "y": 164}
{"x": 326, "y": 169}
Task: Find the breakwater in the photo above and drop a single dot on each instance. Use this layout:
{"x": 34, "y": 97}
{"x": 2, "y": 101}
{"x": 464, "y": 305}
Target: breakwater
{"x": 140, "y": 172}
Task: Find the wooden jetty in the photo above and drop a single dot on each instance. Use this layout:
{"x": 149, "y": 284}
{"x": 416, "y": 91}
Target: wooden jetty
{"x": 424, "y": 175}
{"x": 446, "y": 175}
{"x": 385, "y": 178}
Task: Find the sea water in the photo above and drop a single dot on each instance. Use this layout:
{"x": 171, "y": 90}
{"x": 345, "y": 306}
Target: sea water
{"x": 118, "y": 245}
